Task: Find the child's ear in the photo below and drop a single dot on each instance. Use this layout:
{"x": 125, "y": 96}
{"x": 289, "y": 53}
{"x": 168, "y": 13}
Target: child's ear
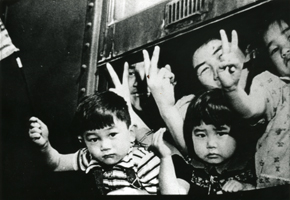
{"x": 132, "y": 129}
{"x": 80, "y": 139}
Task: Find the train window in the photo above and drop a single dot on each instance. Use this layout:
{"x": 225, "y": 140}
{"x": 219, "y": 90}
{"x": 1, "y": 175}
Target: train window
{"x": 125, "y": 8}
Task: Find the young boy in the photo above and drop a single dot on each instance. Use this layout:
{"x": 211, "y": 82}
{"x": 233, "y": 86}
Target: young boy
{"x": 268, "y": 100}
{"x": 104, "y": 126}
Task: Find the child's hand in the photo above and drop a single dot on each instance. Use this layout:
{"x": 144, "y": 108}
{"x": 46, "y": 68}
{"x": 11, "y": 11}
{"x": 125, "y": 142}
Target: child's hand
{"x": 38, "y": 132}
{"x": 232, "y": 60}
{"x": 233, "y": 186}
{"x": 160, "y": 81}
{"x": 158, "y": 145}
{"x": 122, "y": 89}
{"x": 128, "y": 191}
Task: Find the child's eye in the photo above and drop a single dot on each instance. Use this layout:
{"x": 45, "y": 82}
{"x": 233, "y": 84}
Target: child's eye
{"x": 200, "y": 135}
{"x": 221, "y": 133}
{"x": 273, "y": 51}
{"x": 131, "y": 73}
{"x": 93, "y": 139}
{"x": 112, "y": 134}
{"x": 203, "y": 70}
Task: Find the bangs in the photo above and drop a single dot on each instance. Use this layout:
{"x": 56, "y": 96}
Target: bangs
{"x": 100, "y": 110}
{"x": 98, "y": 120}
{"x": 212, "y": 113}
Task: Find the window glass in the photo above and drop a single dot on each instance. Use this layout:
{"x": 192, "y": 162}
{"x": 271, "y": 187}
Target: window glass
{"x": 126, "y": 8}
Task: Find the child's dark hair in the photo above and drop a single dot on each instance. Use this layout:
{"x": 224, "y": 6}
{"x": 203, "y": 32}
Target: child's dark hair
{"x": 277, "y": 15}
{"x": 97, "y": 111}
{"x": 210, "y": 107}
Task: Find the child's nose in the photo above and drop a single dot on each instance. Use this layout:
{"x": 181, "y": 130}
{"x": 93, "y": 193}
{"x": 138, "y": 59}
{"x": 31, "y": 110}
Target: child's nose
{"x": 211, "y": 142}
{"x": 285, "y": 52}
{"x": 105, "y": 145}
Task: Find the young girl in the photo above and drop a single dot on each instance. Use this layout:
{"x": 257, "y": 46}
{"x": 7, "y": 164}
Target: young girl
{"x": 212, "y": 135}
{"x": 268, "y": 100}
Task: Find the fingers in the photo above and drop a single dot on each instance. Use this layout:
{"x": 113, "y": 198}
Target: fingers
{"x": 155, "y": 57}
{"x": 168, "y": 67}
{"x": 225, "y": 42}
{"x": 151, "y": 66}
{"x": 146, "y": 61}
{"x": 232, "y": 186}
{"x": 235, "y": 41}
{"x": 35, "y": 131}
{"x": 113, "y": 75}
{"x": 125, "y": 76}
{"x": 158, "y": 137}
{"x": 33, "y": 119}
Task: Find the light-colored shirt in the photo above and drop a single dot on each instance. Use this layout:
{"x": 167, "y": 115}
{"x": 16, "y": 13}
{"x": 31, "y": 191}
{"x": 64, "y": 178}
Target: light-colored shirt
{"x": 273, "y": 153}
{"x": 144, "y": 163}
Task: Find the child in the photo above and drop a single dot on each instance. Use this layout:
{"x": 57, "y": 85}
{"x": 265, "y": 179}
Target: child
{"x": 104, "y": 126}
{"x": 205, "y": 62}
{"x": 211, "y": 133}
{"x": 268, "y": 100}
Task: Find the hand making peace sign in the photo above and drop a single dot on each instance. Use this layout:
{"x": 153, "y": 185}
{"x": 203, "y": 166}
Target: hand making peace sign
{"x": 122, "y": 89}
{"x": 160, "y": 81}
{"x": 232, "y": 59}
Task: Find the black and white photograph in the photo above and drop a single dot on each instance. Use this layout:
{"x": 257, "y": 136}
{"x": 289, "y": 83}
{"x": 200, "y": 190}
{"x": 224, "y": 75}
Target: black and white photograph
{"x": 145, "y": 99}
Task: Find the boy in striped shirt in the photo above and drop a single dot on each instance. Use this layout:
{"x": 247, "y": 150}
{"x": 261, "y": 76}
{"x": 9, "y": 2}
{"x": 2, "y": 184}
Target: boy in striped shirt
{"x": 119, "y": 166}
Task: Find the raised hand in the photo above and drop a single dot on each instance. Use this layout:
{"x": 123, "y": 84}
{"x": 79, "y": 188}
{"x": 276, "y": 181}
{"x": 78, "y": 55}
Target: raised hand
{"x": 158, "y": 146}
{"x": 38, "y": 132}
{"x": 232, "y": 60}
{"x": 122, "y": 89}
{"x": 160, "y": 81}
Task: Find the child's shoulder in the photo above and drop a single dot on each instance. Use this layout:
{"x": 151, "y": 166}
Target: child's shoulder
{"x": 142, "y": 157}
{"x": 267, "y": 79}
{"x": 140, "y": 152}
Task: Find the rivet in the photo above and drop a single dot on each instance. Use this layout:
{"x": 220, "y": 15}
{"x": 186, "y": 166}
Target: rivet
{"x": 87, "y": 44}
{"x": 83, "y": 90}
{"x": 89, "y": 24}
{"x": 84, "y": 66}
{"x": 91, "y": 4}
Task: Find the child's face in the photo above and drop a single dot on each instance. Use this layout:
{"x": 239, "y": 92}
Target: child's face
{"x": 277, "y": 40}
{"x": 111, "y": 144}
{"x": 206, "y": 60}
{"x": 138, "y": 87}
{"x": 213, "y": 144}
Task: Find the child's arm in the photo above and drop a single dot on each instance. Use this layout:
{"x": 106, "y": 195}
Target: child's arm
{"x": 38, "y": 132}
{"x": 248, "y": 106}
{"x": 161, "y": 84}
{"x": 235, "y": 186}
{"x": 168, "y": 182}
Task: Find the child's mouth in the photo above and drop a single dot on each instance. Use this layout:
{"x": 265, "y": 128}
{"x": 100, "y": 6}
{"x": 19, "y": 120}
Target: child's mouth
{"x": 212, "y": 156}
{"x": 109, "y": 156}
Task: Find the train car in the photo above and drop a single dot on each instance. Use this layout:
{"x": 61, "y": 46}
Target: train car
{"x": 63, "y": 48}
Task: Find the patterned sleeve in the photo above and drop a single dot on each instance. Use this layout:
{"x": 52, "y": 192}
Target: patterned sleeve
{"x": 271, "y": 84}
{"x": 148, "y": 170}
{"x": 182, "y": 169}
{"x": 81, "y": 159}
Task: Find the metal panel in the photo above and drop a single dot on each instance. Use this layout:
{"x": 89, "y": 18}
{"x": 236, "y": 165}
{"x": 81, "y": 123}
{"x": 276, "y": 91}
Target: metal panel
{"x": 155, "y": 26}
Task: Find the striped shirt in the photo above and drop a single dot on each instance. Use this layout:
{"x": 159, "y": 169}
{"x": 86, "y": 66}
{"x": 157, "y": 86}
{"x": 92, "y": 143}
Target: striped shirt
{"x": 144, "y": 163}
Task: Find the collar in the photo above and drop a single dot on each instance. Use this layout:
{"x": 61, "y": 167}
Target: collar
{"x": 233, "y": 164}
{"x": 126, "y": 162}
{"x": 286, "y": 79}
